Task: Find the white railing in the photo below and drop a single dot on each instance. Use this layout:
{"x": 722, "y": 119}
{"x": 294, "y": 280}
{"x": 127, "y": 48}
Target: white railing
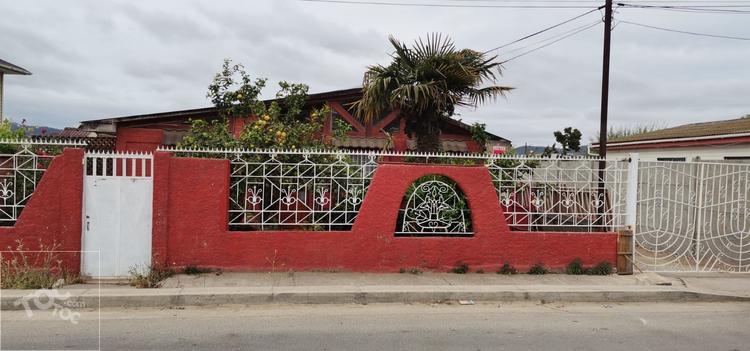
{"x": 323, "y": 189}
{"x": 22, "y": 165}
{"x": 561, "y": 194}
{"x": 291, "y": 191}
{"x": 416, "y": 157}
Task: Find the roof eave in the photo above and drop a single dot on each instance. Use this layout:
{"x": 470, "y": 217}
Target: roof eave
{"x": 311, "y": 99}
{"x": 9, "y": 68}
{"x": 670, "y": 140}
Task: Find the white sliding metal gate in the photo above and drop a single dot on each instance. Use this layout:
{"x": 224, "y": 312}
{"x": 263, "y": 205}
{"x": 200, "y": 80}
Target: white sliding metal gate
{"x": 118, "y": 193}
{"x": 693, "y": 216}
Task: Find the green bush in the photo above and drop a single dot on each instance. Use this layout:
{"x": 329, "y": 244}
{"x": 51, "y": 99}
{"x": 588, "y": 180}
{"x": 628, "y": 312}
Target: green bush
{"x": 538, "y": 269}
{"x": 602, "y": 268}
{"x": 507, "y": 269}
{"x": 150, "y": 277}
{"x": 460, "y": 268}
{"x": 575, "y": 267}
{"x": 7, "y": 132}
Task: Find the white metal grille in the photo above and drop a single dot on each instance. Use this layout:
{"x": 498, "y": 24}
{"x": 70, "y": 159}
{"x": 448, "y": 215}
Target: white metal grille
{"x": 693, "y": 217}
{"x": 22, "y": 165}
{"x": 322, "y": 189}
{"x": 311, "y": 192}
{"x": 561, "y": 194}
{"x": 435, "y": 207}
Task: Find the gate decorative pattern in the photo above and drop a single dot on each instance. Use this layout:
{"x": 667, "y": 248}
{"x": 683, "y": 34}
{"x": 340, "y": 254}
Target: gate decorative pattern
{"x": 435, "y": 208}
{"x": 693, "y": 217}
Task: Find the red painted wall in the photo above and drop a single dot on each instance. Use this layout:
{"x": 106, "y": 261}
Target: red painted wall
{"x": 53, "y": 213}
{"x": 190, "y": 228}
{"x": 138, "y": 139}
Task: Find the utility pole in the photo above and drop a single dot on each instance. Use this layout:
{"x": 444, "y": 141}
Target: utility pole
{"x": 601, "y": 194}
{"x": 605, "y": 79}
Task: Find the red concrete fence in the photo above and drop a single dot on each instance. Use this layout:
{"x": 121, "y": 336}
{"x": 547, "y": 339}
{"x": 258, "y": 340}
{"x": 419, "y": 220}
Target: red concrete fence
{"x": 190, "y": 225}
{"x": 191, "y": 228}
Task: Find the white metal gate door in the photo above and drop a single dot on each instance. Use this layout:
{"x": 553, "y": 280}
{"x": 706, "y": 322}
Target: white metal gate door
{"x": 118, "y": 195}
{"x": 693, "y": 216}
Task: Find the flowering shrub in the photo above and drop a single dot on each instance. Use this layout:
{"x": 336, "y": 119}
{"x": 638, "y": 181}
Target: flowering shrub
{"x": 280, "y": 124}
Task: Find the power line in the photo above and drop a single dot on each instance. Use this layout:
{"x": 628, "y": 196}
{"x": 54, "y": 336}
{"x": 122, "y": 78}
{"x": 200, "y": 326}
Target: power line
{"x": 550, "y": 38}
{"x": 412, "y": 4}
{"x": 711, "y": 2}
{"x": 684, "y": 32}
{"x": 698, "y": 9}
{"x": 589, "y": 26}
{"x": 543, "y": 30}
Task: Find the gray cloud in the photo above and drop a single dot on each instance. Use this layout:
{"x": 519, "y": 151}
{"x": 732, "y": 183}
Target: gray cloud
{"x": 95, "y": 59}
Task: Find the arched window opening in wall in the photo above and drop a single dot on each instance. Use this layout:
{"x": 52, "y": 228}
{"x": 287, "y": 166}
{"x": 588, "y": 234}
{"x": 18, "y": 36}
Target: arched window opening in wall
{"x": 434, "y": 205}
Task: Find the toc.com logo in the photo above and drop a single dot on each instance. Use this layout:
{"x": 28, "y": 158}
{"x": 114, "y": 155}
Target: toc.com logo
{"x": 51, "y": 299}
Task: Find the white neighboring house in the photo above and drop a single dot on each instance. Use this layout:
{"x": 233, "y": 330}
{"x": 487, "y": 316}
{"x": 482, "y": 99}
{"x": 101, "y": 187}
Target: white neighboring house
{"x": 727, "y": 140}
{"x": 8, "y": 68}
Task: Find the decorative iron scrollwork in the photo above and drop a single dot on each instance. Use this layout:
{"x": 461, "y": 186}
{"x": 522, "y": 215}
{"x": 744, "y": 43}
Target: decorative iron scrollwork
{"x": 435, "y": 207}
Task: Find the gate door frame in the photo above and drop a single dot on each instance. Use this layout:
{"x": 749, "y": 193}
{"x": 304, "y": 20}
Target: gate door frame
{"x": 117, "y": 213}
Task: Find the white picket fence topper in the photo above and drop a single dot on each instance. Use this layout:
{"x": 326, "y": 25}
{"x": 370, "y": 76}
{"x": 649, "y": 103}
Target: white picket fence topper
{"x": 119, "y": 164}
{"x": 228, "y": 153}
{"x": 322, "y": 189}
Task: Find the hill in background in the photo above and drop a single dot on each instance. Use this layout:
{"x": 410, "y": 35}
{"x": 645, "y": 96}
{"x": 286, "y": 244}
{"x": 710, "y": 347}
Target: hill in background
{"x": 37, "y": 130}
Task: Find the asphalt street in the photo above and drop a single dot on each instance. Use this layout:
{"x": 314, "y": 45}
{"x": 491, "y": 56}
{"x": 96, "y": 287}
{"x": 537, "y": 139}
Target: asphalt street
{"x": 484, "y": 326}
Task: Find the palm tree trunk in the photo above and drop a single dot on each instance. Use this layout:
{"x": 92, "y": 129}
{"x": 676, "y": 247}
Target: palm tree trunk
{"x": 428, "y": 133}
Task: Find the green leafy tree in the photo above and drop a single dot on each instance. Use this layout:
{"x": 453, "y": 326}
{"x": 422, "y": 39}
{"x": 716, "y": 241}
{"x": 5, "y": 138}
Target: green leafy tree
{"x": 569, "y": 139}
{"x": 280, "y": 124}
{"x": 234, "y": 92}
{"x": 7, "y": 132}
{"x": 479, "y": 135}
{"x": 426, "y": 82}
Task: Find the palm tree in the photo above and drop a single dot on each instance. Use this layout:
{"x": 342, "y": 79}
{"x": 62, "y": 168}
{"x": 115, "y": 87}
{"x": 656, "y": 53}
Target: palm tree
{"x": 426, "y": 82}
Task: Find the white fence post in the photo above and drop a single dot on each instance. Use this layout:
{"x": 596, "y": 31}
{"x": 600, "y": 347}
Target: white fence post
{"x": 631, "y": 204}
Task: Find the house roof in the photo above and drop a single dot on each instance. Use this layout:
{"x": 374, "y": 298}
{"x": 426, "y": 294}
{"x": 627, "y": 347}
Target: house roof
{"x": 69, "y": 132}
{"x": 693, "y": 130}
{"x": 312, "y": 99}
{"x": 9, "y": 68}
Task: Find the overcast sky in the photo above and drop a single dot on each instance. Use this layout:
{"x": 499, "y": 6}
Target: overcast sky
{"x": 96, "y": 59}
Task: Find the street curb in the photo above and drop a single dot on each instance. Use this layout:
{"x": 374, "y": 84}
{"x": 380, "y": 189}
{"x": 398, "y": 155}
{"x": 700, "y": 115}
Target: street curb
{"x": 367, "y": 295}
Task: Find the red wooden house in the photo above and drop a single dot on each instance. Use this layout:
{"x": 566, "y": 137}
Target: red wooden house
{"x": 146, "y": 132}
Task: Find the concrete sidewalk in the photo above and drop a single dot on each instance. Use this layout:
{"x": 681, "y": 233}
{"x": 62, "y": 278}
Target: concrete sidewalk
{"x": 310, "y": 287}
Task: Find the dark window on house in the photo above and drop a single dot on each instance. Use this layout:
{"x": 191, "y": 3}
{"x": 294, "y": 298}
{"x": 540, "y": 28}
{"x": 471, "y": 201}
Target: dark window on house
{"x": 393, "y": 127}
{"x": 736, "y": 158}
{"x": 675, "y": 159}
